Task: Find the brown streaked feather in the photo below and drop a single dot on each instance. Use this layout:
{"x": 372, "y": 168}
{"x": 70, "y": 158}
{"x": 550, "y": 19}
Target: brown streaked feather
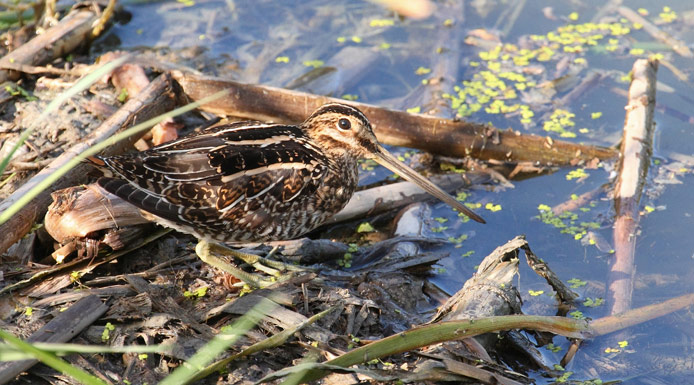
{"x": 253, "y": 181}
{"x": 211, "y": 179}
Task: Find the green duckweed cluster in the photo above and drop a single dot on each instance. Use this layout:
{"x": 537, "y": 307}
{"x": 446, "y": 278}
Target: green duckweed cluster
{"x": 499, "y": 74}
{"x": 560, "y": 121}
{"x": 567, "y": 222}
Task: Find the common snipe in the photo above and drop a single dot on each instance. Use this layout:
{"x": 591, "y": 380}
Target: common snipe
{"x": 255, "y": 182}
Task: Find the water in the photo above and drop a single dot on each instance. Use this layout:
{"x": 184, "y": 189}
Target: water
{"x": 248, "y": 41}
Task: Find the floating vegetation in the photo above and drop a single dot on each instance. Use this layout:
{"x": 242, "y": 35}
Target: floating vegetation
{"x": 492, "y": 207}
{"x": 448, "y": 167}
{"x": 621, "y": 345}
{"x": 503, "y": 75}
{"x": 314, "y": 63}
{"x": 19, "y": 91}
{"x": 567, "y": 222}
{"x": 458, "y": 240}
{"x": 381, "y": 22}
{"x": 422, "y": 71}
{"x": 560, "y": 122}
{"x": 579, "y": 173}
{"x": 553, "y": 348}
{"x": 577, "y": 314}
{"x": 594, "y": 302}
{"x": 668, "y": 15}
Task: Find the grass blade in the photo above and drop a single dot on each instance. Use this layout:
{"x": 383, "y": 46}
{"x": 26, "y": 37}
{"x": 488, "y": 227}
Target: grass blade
{"x": 230, "y": 334}
{"x": 51, "y": 360}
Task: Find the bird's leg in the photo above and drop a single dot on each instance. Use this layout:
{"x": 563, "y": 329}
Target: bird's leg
{"x": 205, "y": 251}
{"x": 266, "y": 265}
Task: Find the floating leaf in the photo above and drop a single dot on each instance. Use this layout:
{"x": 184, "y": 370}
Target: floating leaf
{"x": 314, "y": 63}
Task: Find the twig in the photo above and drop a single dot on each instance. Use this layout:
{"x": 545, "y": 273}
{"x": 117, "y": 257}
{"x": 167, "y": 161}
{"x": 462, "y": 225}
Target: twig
{"x": 613, "y": 323}
{"x": 580, "y": 201}
{"x": 429, "y": 133}
{"x": 591, "y": 80}
{"x": 104, "y": 18}
{"x": 605, "y": 10}
{"x": 637, "y": 144}
{"x": 35, "y": 70}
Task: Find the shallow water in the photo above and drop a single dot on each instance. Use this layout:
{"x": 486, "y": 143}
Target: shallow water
{"x": 274, "y": 43}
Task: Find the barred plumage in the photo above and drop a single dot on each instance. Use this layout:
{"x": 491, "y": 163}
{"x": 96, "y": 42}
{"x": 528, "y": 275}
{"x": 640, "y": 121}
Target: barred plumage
{"x": 255, "y": 182}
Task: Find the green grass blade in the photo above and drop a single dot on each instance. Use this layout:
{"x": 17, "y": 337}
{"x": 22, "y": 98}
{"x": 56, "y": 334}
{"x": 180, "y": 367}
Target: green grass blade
{"x": 12, "y": 353}
{"x": 230, "y": 334}
{"x": 51, "y": 360}
{"x": 270, "y": 342}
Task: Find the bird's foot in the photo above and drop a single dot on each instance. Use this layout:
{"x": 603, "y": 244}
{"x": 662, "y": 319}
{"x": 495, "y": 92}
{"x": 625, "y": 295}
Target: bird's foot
{"x": 276, "y": 269}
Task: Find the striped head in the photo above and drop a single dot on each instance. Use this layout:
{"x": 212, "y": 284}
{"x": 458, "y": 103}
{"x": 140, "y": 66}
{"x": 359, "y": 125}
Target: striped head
{"x": 344, "y": 130}
{"x": 339, "y": 128}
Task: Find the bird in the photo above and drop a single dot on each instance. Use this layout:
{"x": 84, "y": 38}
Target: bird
{"x": 255, "y": 182}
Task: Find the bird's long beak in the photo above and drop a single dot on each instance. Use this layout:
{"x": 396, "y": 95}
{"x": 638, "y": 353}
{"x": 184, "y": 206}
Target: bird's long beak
{"x": 387, "y": 160}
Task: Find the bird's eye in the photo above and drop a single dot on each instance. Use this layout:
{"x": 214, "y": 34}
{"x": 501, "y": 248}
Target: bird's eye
{"x": 344, "y": 124}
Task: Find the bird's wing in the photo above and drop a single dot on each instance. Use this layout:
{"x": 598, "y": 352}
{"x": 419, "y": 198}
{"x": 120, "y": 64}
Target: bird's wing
{"x": 198, "y": 178}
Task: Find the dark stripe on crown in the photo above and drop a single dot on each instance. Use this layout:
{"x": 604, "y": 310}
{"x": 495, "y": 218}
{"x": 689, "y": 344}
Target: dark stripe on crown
{"x": 341, "y": 109}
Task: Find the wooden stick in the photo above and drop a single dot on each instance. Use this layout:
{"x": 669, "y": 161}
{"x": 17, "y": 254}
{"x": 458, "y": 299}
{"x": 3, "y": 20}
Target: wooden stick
{"x": 73, "y": 30}
{"x": 60, "y": 329}
{"x": 398, "y": 128}
{"x": 154, "y": 100}
{"x": 575, "y": 204}
{"x": 637, "y": 144}
{"x": 621, "y": 321}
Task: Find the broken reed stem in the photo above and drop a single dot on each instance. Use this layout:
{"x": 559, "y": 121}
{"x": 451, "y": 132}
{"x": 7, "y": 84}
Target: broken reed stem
{"x": 398, "y": 128}
{"x": 613, "y": 323}
{"x": 455, "y": 330}
{"x": 636, "y": 149}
